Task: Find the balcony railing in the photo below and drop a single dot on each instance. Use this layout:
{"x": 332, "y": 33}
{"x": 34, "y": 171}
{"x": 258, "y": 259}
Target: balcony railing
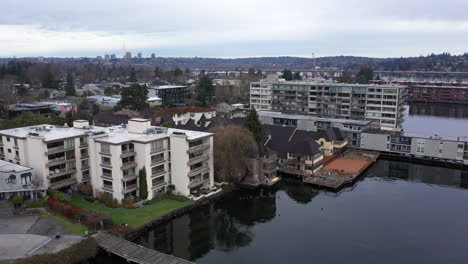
{"x": 130, "y": 188}
{"x": 129, "y": 176}
{"x": 108, "y": 187}
{"x": 198, "y": 159}
{"x": 57, "y": 161}
{"x": 58, "y": 149}
{"x": 198, "y": 170}
{"x": 157, "y": 173}
{"x": 128, "y": 165}
{"x": 57, "y": 173}
{"x": 156, "y": 150}
{"x": 127, "y": 153}
{"x": 61, "y": 184}
{"x": 198, "y": 182}
{"x": 198, "y": 148}
{"x": 107, "y": 176}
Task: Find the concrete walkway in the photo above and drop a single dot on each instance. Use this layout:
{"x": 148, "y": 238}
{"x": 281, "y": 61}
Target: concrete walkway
{"x": 22, "y": 236}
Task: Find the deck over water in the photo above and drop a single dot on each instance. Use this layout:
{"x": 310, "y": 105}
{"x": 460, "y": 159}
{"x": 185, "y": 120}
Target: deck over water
{"x": 134, "y": 252}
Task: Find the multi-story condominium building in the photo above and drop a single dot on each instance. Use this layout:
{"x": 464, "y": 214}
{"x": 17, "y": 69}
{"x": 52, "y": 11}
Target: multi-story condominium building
{"x": 110, "y": 158}
{"x": 169, "y": 94}
{"x": 18, "y": 180}
{"x": 382, "y": 104}
{"x": 442, "y": 92}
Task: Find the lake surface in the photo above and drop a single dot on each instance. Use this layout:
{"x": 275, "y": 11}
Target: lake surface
{"x": 397, "y": 213}
{"x": 436, "y": 118}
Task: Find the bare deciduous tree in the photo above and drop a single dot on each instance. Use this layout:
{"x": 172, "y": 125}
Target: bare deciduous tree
{"x": 234, "y": 147}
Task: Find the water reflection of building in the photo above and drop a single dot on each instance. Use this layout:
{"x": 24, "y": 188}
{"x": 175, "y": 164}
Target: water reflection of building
{"x": 298, "y": 191}
{"x": 420, "y": 173}
{"x": 225, "y": 225}
{"x": 439, "y": 109}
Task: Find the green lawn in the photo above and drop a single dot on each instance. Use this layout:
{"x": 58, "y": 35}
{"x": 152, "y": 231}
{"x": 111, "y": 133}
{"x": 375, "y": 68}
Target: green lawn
{"x": 70, "y": 227}
{"x": 132, "y": 217}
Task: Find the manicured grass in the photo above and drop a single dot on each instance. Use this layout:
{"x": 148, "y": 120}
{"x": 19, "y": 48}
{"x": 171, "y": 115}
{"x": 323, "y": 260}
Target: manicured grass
{"x": 70, "y": 227}
{"x": 133, "y": 217}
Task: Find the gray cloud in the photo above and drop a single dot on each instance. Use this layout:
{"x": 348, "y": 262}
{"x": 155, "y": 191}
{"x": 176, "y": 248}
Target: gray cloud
{"x": 228, "y": 28}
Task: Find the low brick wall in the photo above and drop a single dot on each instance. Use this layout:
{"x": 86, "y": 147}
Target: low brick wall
{"x": 132, "y": 235}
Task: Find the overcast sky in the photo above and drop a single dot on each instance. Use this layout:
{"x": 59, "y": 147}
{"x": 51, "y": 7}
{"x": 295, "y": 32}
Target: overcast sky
{"x": 236, "y": 28}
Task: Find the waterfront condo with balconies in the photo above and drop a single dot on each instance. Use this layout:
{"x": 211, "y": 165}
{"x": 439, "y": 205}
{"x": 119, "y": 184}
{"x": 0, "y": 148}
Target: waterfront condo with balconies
{"x": 110, "y": 158}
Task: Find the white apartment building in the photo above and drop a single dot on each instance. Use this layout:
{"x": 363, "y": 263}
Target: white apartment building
{"x": 382, "y": 104}
{"x": 110, "y": 158}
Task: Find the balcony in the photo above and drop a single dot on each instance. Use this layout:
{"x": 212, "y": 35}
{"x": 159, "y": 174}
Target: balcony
{"x": 58, "y": 161}
{"x": 107, "y": 176}
{"x": 64, "y": 183}
{"x": 106, "y": 164}
{"x": 83, "y": 144}
{"x": 58, "y": 173}
{"x": 84, "y": 155}
{"x": 130, "y": 188}
{"x": 157, "y": 184}
{"x": 199, "y": 182}
{"x": 128, "y": 165}
{"x": 159, "y": 161}
{"x": 128, "y": 154}
{"x": 198, "y": 148}
{"x": 16, "y": 146}
{"x": 158, "y": 173}
{"x": 108, "y": 187}
{"x": 198, "y": 159}
{"x": 198, "y": 170}
{"x": 129, "y": 177}
{"x": 85, "y": 167}
{"x": 58, "y": 149}
{"x": 157, "y": 150}
{"x": 17, "y": 158}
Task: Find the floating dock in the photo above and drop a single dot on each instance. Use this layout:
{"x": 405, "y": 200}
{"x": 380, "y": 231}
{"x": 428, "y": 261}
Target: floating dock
{"x": 343, "y": 169}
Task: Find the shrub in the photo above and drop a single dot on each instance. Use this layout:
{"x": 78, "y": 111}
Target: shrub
{"x": 37, "y": 203}
{"x": 170, "y": 188}
{"x": 59, "y": 195}
{"x": 46, "y": 198}
{"x": 77, "y": 253}
{"x": 127, "y": 203}
{"x": 85, "y": 189}
{"x": 168, "y": 196}
{"x": 105, "y": 199}
{"x": 17, "y": 200}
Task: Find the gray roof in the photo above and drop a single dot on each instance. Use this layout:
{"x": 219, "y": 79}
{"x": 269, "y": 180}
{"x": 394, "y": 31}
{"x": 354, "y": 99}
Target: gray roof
{"x": 6, "y": 166}
{"x": 312, "y": 118}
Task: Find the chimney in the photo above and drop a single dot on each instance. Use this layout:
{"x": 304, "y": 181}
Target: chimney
{"x": 83, "y": 124}
{"x": 138, "y": 125}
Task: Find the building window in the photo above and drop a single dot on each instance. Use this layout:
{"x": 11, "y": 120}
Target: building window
{"x": 157, "y": 169}
{"x": 159, "y": 191}
{"x": 157, "y": 146}
{"x": 157, "y": 158}
{"x": 105, "y": 160}
{"x": 107, "y": 184}
{"x": 26, "y": 179}
{"x": 69, "y": 143}
{"x": 106, "y": 172}
{"x": 8, "y": 139}
{"x": 105, "y": 148}
{"x": 9, "y": 150}
{"x": 11, "y": 179}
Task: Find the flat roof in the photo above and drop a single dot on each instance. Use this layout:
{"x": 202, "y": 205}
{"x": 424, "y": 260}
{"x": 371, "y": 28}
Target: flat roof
{"x": 120, "y": 134}
{"x": 417, "y": 135}
{"x": 6, "y": 166}
{"x": 313, "y": 118}
{"x": 332, "y": 84}
{"x": 113, "y": 135}
{"x": 157, "y": 87}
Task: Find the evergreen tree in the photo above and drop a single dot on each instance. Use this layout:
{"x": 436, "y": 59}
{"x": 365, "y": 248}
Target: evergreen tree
{"x": 70, "y": 86}
{"x": 178, "y": 72}
{"x": 133, "y": 77}
{"x": 287, "y": 75}
{"x": 143, "y": 188}
{"x": 205, "y": 90}
{"x": 134, "y": 97}
{"x": 364, "y": 75}
{"x": 49, "y": 80}
{"x": 297, "y": 76}
{"x": 254, "y": 125}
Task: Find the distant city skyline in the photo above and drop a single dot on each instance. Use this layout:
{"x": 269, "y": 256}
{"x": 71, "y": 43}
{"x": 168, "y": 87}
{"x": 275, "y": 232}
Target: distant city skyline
{"x": 232, "y": 29}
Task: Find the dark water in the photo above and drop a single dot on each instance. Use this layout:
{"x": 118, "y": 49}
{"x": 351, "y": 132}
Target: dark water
{"x": 397, "y": 213}
{"x": 436, "y": 118}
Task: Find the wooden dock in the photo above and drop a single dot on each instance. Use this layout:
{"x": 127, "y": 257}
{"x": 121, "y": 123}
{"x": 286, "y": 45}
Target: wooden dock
{"x": 134, "y": 252}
